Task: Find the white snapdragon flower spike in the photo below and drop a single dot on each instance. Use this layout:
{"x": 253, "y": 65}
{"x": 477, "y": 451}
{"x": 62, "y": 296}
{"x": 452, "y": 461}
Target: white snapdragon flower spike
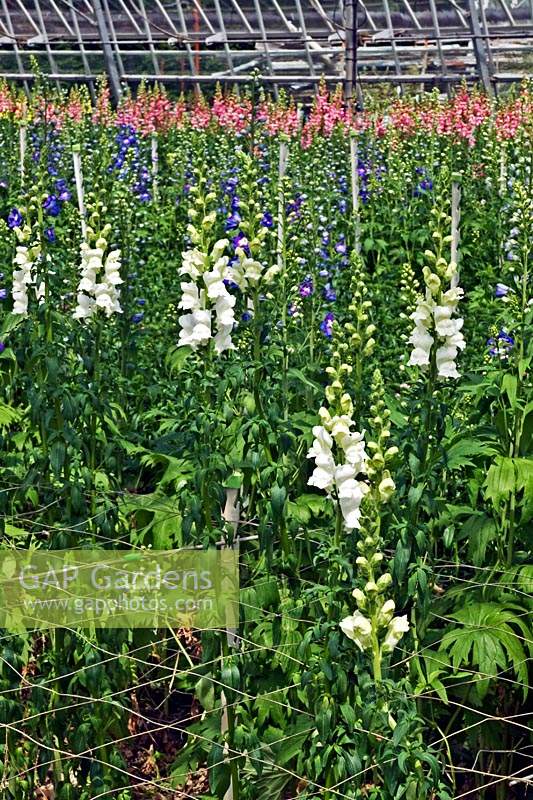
{"x": 340, "y": 478}
{"x": 23, "y": 276}
{"x": 99, "y": 281}
{"x": 435, "y": 324}
{"x": 207, "y": 299}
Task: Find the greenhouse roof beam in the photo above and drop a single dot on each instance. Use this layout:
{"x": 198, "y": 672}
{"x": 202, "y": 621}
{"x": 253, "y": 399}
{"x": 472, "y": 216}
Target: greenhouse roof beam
{"x": 109, "y": 58}
{"x": 83, "y": 54}
{"x": 51, "y": 59}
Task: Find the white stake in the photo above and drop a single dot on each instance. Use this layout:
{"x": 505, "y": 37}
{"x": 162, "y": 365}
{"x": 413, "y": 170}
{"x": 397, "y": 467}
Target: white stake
{"x": 78, "y": 175}
{"x": 503, "y": 170}
{"x": 155, "y": 169}
{"x": 283, "y": 159}
{"x": 231, "y": 514}
{"x": 456, "y": 219}
{"x": 22, "y": 150}
{"x": 355, "y": 191}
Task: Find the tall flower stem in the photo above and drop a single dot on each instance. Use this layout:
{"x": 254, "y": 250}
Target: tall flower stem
{"x": 93, "y": 418}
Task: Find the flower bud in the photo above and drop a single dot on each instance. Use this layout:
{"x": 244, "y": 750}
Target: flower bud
{"x": 362, "y": 563}
{"x": 360, "y": 598}
{"x": 384, "y": 581}
{"x": 386, "y": 612}
{"x": 386, "y": 488}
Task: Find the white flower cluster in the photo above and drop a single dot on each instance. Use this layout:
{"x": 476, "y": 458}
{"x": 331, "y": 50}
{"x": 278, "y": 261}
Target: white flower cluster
{"x": 206, "y": 295}
{"x": 340, "y": 477}
{"x": 248, "y": 272}
{"x": 435, "y": 324}
{"x": 100, "y": 279}
{"x": 360, "y": 629}
{"x": 23, "y": 277}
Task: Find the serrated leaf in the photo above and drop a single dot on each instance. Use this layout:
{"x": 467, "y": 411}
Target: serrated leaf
{"x": 9, "y": 415}
{"x": 480, "y": 530}
{"x": 460, "y": 454}
{"x": 500, "y": 480}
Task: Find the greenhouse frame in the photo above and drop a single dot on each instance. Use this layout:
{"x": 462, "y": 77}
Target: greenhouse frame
{"x": 292, "y": 43}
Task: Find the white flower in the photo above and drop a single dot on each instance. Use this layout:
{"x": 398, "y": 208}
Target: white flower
{"x": 224, "y": 308}
{"x": 422, "y": 315}
{"x": 452, "y": 296}
{"x": 322, "y": 442}
{"x": 214, "y": 284}
{"x": 203, "y": 302}
{"x": 397, "y": 627}
{"x": 195, "y": 328}
{"x": 353, "y": 446}
{"x": 190, "y": 298}
{"x": 434, "y": 323}
{"x": 84, "y": 308}
{"x": 444, "y": 325}
{"x": 271, "y": 273}
{"x": 252, "y": 270}
{"x": 340, "y": 425}
{"x": 359, "y": 629}
{"x": 419, "y": 358}
{"x": 421, "y": 338}
{"x": 445, "y": 359}
{"x": 106, "y": 298}
{"x": 323, "y": 476}
{"x": 218, "y": 248}
{"x": 112, "y": 268}
{"x": 88, "y": 282}
{"x": 194, "y": 263}
{"x": 223, "y": 339}
{"x": 350, "y": 493}
{"x": 23, "y": 277}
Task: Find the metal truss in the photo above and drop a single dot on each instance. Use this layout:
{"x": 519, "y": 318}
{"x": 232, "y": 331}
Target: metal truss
{"x": 290, "y": 43}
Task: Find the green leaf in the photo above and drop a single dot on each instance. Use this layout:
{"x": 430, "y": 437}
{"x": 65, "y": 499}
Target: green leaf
{"x": 299, "y": 376}
{"x": 459, "y": 454}
{"x": 277, "y": 502}
{"x": 175, "y": 360}
{"x": 57, "y": 456}
{"x": 500, "y": 480}
{"x": 205, "y": 692}
{"x": 307, "y": 506}
{"x": 9, "y": 415}
{"x": 10, "y": 322}
{"x": 219, "y": 771}
{"x": 487, "y": 641}
{"x": 510, "y": 386}
{"x": 479, "y": 530}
